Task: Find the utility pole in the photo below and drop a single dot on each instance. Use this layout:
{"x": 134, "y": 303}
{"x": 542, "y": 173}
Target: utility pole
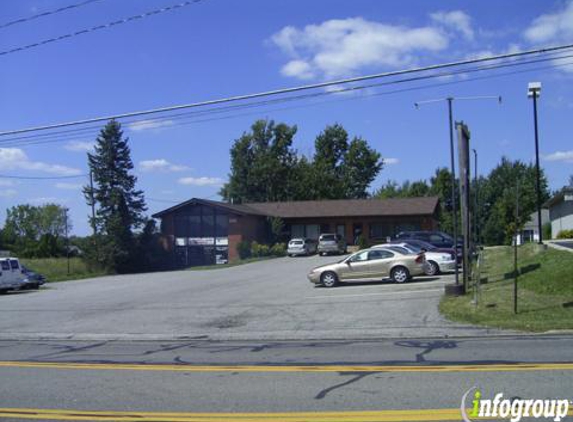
{"x": 67, "y": 240}
{"x": 92, "y": 202}
{"x": 464, "y": 163}
{"x": 534, "y": 90}
{"x": 476, "y": 199}
{"x": 450, "y": 101}
{"x": 515, "y": 273}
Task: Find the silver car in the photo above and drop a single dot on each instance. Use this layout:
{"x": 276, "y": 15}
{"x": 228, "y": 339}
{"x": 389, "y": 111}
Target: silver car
{"x": 301, "y": 246}
{"x": 374, "y": 264}
{"x": 331, "y": 243}
{"x": 436, "y": 262}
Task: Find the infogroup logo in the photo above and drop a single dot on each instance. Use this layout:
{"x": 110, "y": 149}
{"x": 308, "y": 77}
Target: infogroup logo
{"x": 513, "y": 409}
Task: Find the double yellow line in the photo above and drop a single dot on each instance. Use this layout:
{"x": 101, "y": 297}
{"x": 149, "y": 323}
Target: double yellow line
{"x": 364, "y": 416}
{"x": 291, "y": 368}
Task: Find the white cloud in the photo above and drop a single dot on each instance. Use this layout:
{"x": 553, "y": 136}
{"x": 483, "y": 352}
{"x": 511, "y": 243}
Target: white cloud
{"x": 79, "y": 146}
{"x": 565, "y": 156}
{"x": 556, "y": 26}
{"x": 341, "y": 47}
{"x": 391, "y": 161}
{"x": 149, "y": 124}
{"x": 456, "y": 20}
{"x": 16, "y": 159}
{"x": 201, "y": 181}
{"x": 68, "y": 186}
{"x": 6, "y": 182}
{"x": 160, "y": 164}
{"x": 8, "y": 193}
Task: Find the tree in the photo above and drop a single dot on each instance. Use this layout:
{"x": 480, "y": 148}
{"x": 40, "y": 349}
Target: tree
{"x": 343, "y": 169}
{"x": 262, "y": 164}
{"x": 498, "y": 196}
{"x": 36, "y": 231}
{"x": 120, "y": 206}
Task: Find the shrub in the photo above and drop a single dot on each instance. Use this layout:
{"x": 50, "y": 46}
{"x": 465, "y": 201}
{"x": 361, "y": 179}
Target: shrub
{"x": 565, "y": 234}
{"x": 278, "y": 249}
{"x": 361, "y": 242}
{"x": 259, "y": 250}
{"x": 244, "y": 249}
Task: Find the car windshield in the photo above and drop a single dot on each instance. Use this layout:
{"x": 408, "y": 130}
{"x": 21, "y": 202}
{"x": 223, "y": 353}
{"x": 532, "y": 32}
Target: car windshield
{"x": 296, "y": 242}
{"x": 327, "y": 237}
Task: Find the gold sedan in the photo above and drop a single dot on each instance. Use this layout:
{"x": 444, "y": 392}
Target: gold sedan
{"x": 373, "y": 264}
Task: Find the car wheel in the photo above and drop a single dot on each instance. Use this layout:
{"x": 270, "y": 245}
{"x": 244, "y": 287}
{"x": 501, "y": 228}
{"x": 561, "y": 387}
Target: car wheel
{"x": 329, "y": 279}
{"x": 400, "y": 274}
{"x": 432, "y": 268}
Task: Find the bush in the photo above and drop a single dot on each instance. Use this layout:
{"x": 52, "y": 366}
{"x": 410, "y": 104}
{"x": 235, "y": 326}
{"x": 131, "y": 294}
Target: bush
{"x": 361, "y": 242}
{"x": 244, "y": 249}
{"x": 278, "y": 249}
{"x": 565, "y": 234}
{"x": 259, "y": 250}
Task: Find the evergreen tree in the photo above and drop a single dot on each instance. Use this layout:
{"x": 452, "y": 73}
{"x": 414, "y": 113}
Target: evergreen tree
{"x": 120, "y": 206}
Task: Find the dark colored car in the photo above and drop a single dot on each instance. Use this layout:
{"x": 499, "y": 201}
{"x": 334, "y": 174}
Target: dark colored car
{"x": 33, "y": 279}
{"x": 437, "y": 239}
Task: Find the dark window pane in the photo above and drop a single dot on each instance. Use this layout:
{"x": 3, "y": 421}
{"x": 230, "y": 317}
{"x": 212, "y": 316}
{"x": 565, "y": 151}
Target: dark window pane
{"x": 222, "y": 225}
{"x": 194, "y": 226}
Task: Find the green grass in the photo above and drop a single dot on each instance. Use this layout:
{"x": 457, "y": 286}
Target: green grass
{"x": 56, "y": 269}
{"x": 229, "y": 265}
{"x": 545, "y": 291}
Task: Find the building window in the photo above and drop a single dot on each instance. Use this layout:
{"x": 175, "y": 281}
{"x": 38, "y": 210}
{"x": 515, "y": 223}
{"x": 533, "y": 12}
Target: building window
{"x": 380, "y": 230}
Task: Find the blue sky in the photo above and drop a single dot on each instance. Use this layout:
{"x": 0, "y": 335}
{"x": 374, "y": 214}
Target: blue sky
{"x": 219, "y": 48}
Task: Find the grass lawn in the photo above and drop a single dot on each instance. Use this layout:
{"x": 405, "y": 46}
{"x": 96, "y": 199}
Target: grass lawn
{"x": 545, "y": 291}
{"x": 56, "y": 269}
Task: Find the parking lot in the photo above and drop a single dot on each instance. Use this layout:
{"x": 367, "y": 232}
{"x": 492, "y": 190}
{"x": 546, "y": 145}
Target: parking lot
{"x": 263, "y": 300}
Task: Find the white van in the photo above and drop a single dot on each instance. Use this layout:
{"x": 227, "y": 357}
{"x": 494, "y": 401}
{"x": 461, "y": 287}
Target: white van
{"x": 11, "y": 276}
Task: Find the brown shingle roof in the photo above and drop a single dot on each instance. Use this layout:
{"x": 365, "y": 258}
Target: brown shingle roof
{"x": 348, "y": 207}
{"x": 325, "y": 208}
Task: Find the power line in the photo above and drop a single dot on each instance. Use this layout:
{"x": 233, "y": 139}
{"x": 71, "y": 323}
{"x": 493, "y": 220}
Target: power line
{"x": 43, "y": 14}
{"x": 292, "y": 90}
{"x": 63, "y": 135}
{"x": 9, "y": 176}
{"x": 98, "y": 27}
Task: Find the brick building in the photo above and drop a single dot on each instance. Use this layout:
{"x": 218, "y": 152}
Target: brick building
{"x": 201, "y": 231}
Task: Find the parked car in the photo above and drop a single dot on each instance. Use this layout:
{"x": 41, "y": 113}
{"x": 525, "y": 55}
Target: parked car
{"x": 11, "y": 276}
{"x": 301, "y": 246}
{"x": 33, "y": 279}
{"x": 421, "y": 245}
{"x": 331, "y": 243}
{"x": 436, "y": 262}
{"x": 374, "y": 264}
{"x": 436, "y": 238}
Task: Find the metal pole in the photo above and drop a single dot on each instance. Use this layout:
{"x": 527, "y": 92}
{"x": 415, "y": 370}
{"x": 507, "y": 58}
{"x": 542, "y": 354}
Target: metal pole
{"x": 453, "y": 181}
{"x": 94, "y": 227}
{"x": 67, "y": 240}
{"x": 476, "y": 202}
{"x": 537, "y": 170}
{"x": 515, "y": 273}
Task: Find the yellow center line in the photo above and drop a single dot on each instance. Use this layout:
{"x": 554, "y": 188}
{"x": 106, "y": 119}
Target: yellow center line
{"x": 410, "y": 415}
{"x": 358, "y": 416}
{"x": 291, "y": 368}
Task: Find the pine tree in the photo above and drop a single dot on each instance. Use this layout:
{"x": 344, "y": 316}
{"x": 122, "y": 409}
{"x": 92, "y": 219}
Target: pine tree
{"x": 120, "y": 206}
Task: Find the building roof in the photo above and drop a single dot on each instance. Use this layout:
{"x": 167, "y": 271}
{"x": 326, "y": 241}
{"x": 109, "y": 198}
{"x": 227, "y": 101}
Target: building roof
{"x": 325, "y": 208}
{"x": 560, "y": 196}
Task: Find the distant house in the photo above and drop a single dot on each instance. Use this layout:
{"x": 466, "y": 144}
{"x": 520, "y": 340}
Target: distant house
{"x": 201, "y": 231}
{"x": 561, "y": 211}
{"x": 530, "y": 232}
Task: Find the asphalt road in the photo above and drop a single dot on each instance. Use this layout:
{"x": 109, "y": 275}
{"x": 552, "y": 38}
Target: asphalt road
{"x": 264, "y": 300}
{"x": 388, "y": 380}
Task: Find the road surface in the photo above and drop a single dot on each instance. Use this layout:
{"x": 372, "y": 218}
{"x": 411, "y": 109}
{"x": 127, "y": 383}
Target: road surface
{"x": 197, "y": 380}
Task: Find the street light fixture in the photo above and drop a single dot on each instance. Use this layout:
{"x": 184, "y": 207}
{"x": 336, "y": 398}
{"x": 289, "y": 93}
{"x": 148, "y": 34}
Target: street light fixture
{"x": 534, "y": 91}
{"x": 450, "y": 101}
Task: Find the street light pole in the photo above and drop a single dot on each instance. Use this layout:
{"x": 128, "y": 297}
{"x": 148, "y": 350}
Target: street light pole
{"x": 450, "y": 101}
{"x": 476, "y": 200}
{"x": 453, "y": 182}
{"x": 534, "y": 90}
